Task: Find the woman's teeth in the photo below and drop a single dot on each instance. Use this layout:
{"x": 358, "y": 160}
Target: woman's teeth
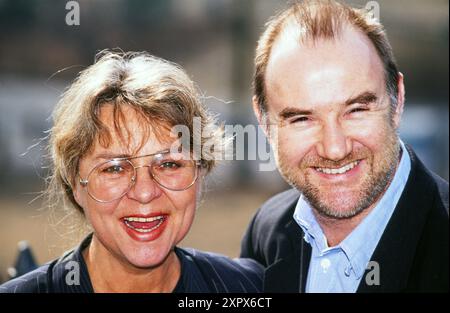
{"x": 335, "y": 171}
{"x": 143, "y": 219}
{"x": 136, "y": 220}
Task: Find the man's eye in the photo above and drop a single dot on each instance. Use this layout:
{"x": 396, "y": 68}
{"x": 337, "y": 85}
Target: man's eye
{"x": 356, "y": 110}
{"x": 300, "y": 119}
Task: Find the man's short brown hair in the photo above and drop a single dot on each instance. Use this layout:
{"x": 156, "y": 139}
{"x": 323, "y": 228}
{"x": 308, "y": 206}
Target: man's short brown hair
{"x": 323, "y": 19}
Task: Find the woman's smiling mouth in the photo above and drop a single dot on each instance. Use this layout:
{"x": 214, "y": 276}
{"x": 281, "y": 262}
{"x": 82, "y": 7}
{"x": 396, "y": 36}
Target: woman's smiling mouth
{"x": 145, "y": 228}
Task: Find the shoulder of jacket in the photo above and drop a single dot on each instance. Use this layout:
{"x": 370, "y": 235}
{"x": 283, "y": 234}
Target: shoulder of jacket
{"x": 36, "y": 281}
{"x": 277, "y": 207}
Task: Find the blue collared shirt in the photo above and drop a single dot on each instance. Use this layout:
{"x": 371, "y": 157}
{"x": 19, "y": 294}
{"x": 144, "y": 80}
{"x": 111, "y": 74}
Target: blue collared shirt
{"x": 341, "y": 268}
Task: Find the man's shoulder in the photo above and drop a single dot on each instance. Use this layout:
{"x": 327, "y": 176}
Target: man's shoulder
{"x": 35, "y": 281}
{"x": 442, "y": 187}
{"x": 424, "y": 177}
{"x": 427, "y": 229}
{"x": 226, "y": 274}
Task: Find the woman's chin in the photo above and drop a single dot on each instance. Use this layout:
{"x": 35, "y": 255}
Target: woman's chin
{"x": 146, "y": 258}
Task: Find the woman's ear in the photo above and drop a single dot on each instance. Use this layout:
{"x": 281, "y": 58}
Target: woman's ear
{"x": 76, "y": 191}
{"x": 201, "y": 174}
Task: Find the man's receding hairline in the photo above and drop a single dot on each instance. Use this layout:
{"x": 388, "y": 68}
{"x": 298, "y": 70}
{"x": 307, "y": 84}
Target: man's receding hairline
{"x": 294, "y": 28}
{"x": 339, "y": 32}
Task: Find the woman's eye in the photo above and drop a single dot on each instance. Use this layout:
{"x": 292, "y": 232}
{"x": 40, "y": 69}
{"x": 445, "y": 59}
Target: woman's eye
{"x": 169, "y": 165}
{"x": 113, "y": 169}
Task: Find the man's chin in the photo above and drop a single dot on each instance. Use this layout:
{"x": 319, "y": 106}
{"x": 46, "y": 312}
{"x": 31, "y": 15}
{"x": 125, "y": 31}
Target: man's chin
{"x": 342, "y": 207}
{"x": 339, "y": 214}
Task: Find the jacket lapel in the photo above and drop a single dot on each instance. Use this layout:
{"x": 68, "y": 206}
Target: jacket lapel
{"x": 286, "y": 273}
{"x": 396, "y": 249}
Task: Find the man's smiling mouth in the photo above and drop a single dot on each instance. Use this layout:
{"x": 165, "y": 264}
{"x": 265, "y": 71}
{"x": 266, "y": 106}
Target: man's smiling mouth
{"x": 338, "y": 171}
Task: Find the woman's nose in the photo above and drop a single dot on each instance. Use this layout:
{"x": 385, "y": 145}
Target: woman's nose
{"x": 144, "y": 189}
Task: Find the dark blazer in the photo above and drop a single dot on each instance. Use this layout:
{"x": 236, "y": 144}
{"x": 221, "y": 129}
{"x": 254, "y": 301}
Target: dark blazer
{"x": 413, "y": 252}
{"x": 201, "y": 272}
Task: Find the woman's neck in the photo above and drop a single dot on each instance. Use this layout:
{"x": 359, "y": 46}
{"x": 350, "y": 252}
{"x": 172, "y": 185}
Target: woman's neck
{"x": 110, "y": 274}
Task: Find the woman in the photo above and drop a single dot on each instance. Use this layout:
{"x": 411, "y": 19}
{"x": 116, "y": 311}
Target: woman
{"x": 116, "y": 160}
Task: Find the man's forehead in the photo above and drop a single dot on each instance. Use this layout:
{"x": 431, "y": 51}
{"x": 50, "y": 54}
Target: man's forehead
{"x": 350, "y": 45}
{"x": 326, "y": 68}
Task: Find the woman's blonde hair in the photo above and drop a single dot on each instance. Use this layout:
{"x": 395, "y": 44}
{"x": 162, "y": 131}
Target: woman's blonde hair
{"x": 159, "y": 91}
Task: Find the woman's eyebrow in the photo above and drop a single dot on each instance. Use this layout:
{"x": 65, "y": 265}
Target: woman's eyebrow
{"x": 109, "y": 156}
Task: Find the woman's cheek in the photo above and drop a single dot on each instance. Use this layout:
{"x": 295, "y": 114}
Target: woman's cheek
{"x": 185, "y": 208}
{"x": 185, "y": 225}
{"x": 97, "y": 213}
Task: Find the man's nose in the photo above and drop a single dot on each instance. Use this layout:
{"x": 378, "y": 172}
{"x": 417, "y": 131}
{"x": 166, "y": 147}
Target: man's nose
{"x": 145, "y": 188}
{"x": 334, "y": 144}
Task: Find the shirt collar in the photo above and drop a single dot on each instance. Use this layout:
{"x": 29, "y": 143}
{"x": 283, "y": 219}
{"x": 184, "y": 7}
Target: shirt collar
{"x": 360, "y": 244}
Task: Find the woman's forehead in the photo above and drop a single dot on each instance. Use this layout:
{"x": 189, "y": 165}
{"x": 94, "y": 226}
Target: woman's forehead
{"x": 110, "y": 114}
{"x": 134, "y": 145}
{"x": 131, "y": 132}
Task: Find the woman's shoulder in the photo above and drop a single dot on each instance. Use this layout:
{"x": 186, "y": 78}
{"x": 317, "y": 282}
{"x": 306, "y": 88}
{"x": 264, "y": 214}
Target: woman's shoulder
{"x": 36, "y": 281}
{"x": 66, "y": 274}
{"x": 222, "y": 273}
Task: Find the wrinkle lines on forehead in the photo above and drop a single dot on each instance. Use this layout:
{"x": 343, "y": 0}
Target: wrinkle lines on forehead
{"x": 127, "y": 130}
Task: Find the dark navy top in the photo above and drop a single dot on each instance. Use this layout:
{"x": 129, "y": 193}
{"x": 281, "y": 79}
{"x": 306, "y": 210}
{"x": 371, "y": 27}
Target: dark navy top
{"x": 201, "y": 272}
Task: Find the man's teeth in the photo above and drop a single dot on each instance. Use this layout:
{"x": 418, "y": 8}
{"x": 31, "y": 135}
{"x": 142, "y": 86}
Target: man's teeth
{"x": 127, "y": 221}
{"x": 335, "y": 171}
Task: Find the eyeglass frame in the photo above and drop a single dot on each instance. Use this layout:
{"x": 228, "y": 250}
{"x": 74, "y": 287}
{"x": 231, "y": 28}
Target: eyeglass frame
{"x": 84, "y": 182}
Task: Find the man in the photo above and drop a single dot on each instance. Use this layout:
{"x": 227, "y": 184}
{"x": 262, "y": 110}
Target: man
{"x": 364, "y": 215}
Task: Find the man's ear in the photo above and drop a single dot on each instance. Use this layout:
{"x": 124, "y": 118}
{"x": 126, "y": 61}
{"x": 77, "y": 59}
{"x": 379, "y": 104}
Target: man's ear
{"x": 400, "y": 101}
{"x": 262, "y": 120}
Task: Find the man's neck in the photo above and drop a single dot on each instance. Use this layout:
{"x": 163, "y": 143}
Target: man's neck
{"x": 108, "y": 274}
{"x": 336, "y": 230}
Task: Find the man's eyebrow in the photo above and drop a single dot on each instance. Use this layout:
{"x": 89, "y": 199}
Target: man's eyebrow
{"x": 289, "y": 112}
{"x": 363, "y": 98}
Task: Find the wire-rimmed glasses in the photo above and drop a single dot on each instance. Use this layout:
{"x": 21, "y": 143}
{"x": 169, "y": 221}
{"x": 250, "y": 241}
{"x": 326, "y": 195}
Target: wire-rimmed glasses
{"x": 111, "y": 180}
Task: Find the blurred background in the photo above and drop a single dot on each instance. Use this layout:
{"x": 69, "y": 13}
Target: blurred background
{"x": 214, "y": 41}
